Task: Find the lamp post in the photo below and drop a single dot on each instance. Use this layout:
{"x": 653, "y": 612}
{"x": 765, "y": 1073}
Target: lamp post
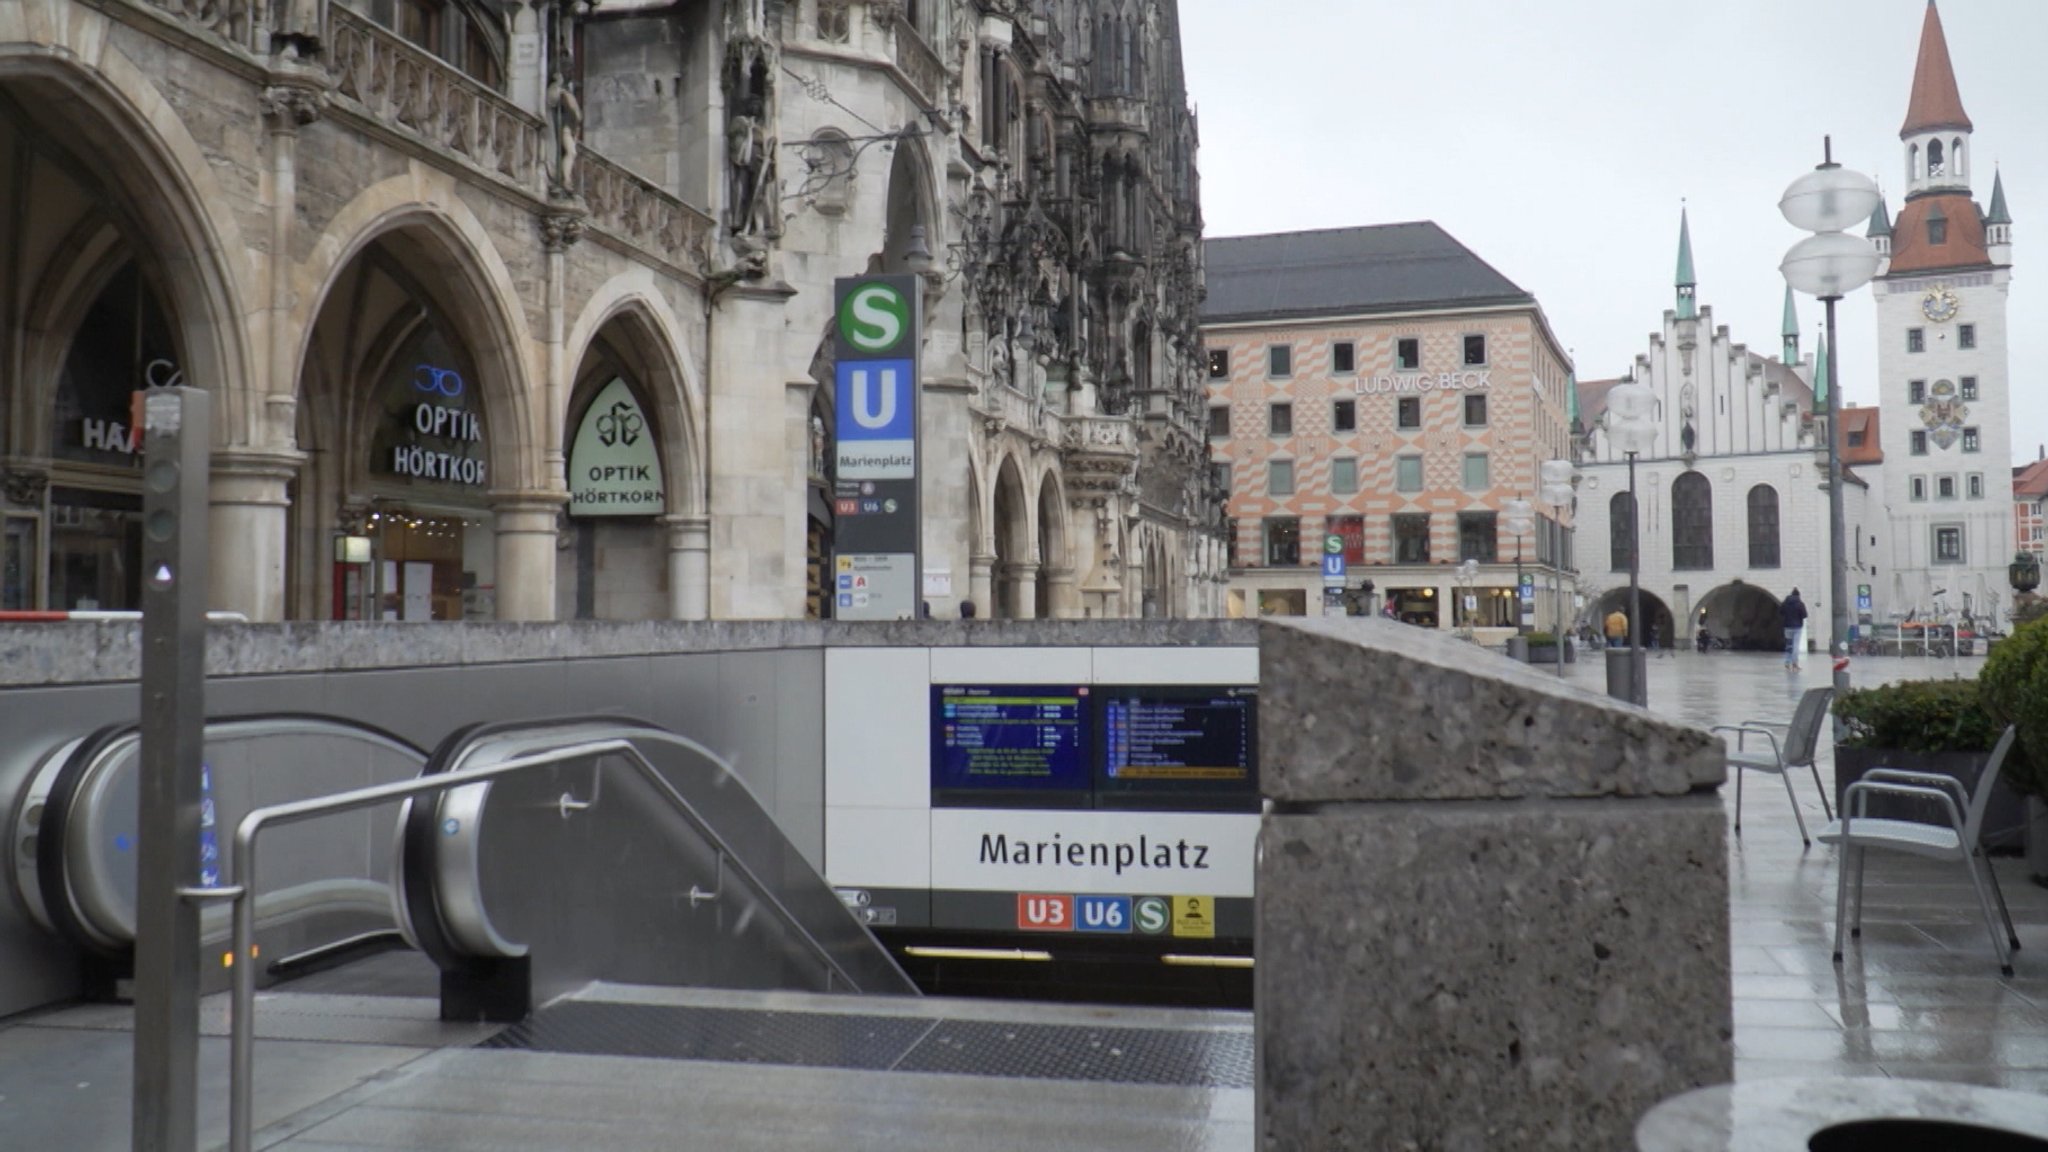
{"x": 1558, "y": 477}
{"x": 1518, "y": 517}
{"x": 1830, "y": 264}
{"x": 1466, "y": 575}
{"x": 1632, "y": 428}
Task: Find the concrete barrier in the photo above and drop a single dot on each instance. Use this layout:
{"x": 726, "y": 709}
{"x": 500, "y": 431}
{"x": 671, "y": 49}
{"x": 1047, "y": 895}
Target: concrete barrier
{"x": 1492, "y": 909}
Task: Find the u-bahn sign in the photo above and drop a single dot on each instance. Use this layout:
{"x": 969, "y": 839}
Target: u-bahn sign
{"x": 876, "y": 535}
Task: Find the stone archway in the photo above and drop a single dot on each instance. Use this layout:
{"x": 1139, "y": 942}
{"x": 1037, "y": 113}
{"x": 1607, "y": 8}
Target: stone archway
{"x": 416, "y": 408}
{"x": 1742, "y": 614}
{"x": 1058, "y": 593}
{"x": 1657, "y": 618}
{"x": 128, "y": 217}
{"x": 1016, "y": 565}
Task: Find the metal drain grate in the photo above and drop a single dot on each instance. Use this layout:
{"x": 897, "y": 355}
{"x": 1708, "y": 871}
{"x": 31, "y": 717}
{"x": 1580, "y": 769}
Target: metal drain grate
{"x": 1206, "y": 1058}
{"x": 1210, "y": 1058}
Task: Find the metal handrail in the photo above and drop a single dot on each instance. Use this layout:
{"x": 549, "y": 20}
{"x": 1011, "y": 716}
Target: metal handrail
{"x": 242, "y": 1019}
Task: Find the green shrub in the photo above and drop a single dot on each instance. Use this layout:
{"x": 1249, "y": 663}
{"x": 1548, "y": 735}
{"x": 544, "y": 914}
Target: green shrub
{"x": 1918, "y": 716}
{"x": 2028, "y": 608}
{"x": 1541, "y": 639}
{"x": 2014, "y": 690}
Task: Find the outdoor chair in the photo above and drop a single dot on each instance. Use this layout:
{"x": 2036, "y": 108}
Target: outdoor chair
{"x": 1800, "y": 738}
{"x": 1858, "y": 834}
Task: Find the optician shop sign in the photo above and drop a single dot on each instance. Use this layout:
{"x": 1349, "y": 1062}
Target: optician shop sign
{"x": 436, "y": 435}
{"x": 614, "y": 469}
{"x": 1415, "y": 382}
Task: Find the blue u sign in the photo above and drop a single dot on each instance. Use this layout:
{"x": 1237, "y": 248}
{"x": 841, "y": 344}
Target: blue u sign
{"x": 877, "y": 425}
{"x": 1333, "y": 566}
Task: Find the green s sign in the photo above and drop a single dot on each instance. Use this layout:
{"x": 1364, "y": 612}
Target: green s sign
{"x": 874, "y": 318}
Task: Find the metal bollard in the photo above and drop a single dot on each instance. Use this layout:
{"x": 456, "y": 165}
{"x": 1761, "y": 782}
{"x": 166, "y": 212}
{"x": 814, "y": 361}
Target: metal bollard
{"x": 1620, "y": 674}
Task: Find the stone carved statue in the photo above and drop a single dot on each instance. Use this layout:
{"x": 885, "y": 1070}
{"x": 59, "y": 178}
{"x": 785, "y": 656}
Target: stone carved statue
{"x": 752, "y": 193}
{"x": 299, "y": 29}
{"x": 565, "y": 116}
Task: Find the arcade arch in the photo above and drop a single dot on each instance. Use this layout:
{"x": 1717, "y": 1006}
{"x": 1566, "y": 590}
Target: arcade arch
{"x": 1742, "y": 614}
{"x": 1656, "y": 614}
{"x": 1016, "y": 565}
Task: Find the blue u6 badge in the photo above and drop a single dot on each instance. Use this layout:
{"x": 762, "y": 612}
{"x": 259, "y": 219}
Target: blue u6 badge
{"x": 1102, "y": 913}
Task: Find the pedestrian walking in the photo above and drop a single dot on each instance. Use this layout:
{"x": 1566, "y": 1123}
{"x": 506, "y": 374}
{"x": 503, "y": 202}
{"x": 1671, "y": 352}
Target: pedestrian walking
{"x": 1792, "y": 615}
{"x": 1617, "y": 629}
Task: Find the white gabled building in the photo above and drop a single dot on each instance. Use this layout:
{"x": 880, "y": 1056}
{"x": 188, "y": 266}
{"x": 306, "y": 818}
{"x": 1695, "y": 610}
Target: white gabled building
{"x": 1733, "y": 513}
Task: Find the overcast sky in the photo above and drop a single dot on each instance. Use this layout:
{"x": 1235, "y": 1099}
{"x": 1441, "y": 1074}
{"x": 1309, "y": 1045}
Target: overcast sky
{"x": 1556, "y": 139}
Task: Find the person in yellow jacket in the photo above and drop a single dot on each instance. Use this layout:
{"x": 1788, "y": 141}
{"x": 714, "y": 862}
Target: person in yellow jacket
{"x": 1617, "y": 629}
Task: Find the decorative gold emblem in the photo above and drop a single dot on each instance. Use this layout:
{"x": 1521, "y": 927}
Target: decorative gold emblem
{"x": 1940, "y": 304}
{"x": 1943, "y": 414}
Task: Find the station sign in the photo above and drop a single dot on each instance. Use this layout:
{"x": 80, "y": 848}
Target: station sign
{"x": 877, "y": 530}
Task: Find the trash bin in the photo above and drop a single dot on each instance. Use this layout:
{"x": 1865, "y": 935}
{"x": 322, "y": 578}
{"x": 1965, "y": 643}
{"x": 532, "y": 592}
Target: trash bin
{"x": 1620, "y": 674}
{"x": 1846, "y": 1115}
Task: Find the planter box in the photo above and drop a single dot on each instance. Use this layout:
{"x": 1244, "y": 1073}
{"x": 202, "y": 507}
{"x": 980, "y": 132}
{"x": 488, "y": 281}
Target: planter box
{"x": 2004, "y": 822}
{"x": 1547, "y": 654}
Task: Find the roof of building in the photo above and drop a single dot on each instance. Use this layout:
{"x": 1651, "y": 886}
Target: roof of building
{"x": 1961, "y": 247}
{"x": 1790, "y": 329}
{"x": 1880, "y": 222}
{"x": 1861, "y": 442}
{"x": 2030, "y": 481}
{"x": 1935, "y": 103}
{"x": 1998, "y": 214}
{"x": 1593, "y": 399}
{"x": 1347, "y": 271}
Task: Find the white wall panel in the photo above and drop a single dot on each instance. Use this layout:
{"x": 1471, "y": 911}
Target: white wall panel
{"x": 1176, "y": 666}
{"x": 877, "y": 727}
{"x": 1011, "y": 665}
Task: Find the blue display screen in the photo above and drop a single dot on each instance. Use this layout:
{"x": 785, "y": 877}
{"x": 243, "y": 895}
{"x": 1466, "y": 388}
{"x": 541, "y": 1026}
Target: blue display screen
{"x": 1030, "y": 739}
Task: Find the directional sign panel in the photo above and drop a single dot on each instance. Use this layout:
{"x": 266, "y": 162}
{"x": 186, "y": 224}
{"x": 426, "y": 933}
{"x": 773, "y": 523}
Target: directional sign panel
{"x": 876, "y": 533}
{"x": 1333, "y": 568}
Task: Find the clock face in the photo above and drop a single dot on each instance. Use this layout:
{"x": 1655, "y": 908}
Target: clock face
{"x": 1940, "y": 304}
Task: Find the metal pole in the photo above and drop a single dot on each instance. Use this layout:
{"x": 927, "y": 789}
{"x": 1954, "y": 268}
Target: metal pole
{"x": 1639, "y": 693}
{"x": 178, "y": 430}
{"x": 1838, "y": 552}
{"x": 1518, "y": 584}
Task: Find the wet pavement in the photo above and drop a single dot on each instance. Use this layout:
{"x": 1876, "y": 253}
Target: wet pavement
{"x": 1920, "y": 995}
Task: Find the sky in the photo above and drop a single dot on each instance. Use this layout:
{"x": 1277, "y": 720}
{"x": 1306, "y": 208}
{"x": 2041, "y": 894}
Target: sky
{"x": 1557, "y": 139}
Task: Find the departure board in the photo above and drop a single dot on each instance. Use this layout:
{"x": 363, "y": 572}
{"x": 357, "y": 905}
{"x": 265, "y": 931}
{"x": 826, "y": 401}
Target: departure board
{"x": 1162, "y": 739}
{"x": 1031, "y": 740}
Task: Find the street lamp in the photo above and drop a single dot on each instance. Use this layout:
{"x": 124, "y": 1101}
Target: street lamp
{"x": 1632, "y": 428}
{"x": 1517, "y": 517}
{"x": 1466, "y": 575}
{"x": 1829, "y": 264}
{"x": 1558, "y": 478}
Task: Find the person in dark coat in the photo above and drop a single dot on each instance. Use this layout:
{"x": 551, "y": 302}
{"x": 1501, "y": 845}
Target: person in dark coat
{"x": 1792, "y": 614}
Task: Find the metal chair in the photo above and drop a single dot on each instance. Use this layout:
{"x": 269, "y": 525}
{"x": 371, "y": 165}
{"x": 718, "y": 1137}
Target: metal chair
{"x": 1857, "y": 834}
{"x": 1796, "y": 750}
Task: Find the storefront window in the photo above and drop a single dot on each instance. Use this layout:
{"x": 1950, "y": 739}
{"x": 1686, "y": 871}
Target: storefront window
{"x": 95, "y": 551}
{"x": 1414, "y": 605}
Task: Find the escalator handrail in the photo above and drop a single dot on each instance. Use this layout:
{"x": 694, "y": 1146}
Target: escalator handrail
{"x": 421, "y": 832}
{"x": 242, "y": 858}
{"x": 77, "y": 776}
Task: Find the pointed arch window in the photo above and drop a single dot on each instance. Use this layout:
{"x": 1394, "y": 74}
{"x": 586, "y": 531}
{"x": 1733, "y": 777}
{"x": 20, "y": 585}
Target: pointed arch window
{"x": 1621, "y": 514}
{"x": 1692, "y": 522}
{"x": 1934, "y": 163}
{"x": 1763, "y": 526}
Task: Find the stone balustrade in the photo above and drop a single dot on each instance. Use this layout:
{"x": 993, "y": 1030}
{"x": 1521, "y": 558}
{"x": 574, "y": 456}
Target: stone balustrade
{"x": 1492, "y": 909}
{"x": 637, "y": 211}
{"x": 918, "y": 63}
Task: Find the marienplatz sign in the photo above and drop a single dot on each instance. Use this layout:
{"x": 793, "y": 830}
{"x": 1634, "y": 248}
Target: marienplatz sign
{"x": 614, "y": 469}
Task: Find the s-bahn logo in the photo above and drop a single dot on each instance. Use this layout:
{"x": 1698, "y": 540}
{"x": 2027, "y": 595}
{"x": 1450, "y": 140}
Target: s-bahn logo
{"x": 874, "y": 318}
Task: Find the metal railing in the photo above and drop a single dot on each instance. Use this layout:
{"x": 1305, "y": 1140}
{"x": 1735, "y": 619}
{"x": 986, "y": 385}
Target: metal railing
{"x": 242, "y": 1019}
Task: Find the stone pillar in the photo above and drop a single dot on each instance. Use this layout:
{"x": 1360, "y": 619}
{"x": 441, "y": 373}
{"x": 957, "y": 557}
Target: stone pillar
{"x": 1020, "y": 584}
{"x": 1492, "y": 909}
{"x": 1066, "y": 593}
{"x": 689, "y": 567}
{"x": 247, "y": 537}
{"x": 525, "y": 524}
{"x": 981, "y": 583}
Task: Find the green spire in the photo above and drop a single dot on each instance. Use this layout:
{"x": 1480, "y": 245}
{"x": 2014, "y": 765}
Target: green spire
{"x": 1880, "y": 222}
{"x": 1820, "y": 377}
{"x": 1687, "y": 307}
{"x": 1998, "y": 214}
{"x": 1571, "y": 398}
{"x": 1790, "y": 330}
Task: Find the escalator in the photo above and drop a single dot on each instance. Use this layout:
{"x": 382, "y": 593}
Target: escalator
{"x": 649, "y": 863}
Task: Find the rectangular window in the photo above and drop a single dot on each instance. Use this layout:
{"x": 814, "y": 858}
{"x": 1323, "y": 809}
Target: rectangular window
{"x": 1407, "y": 473}
{"x": 1919, "y": 487}
{"x": 1219, "y": 363}
{"x": 1283, "y": 540}
{"x": 1411, "y": 538}
{"x": 1969, "y": 387}
{"x": 1344, "y": 416}
{"x": 1280, "y": 420}
{"x": 1476, "y": 477}
{"x": 1916, "y": 340}
{"x": 1970, "y": 441}
{"x": 1280, "y": 478}
{"x": 1279, "y": 360}
{"x": 1408, "y": 412}
{"x": 1476, "y": 536}
{"x": 1408, "y": 353}
{"x": 1219, "y": 422}
{"x": 1919, "y": 442}
{"x": 1343, "y": 358}
{"x": 1974, "y": 484}
{"x": 1937, "y": 231}
{"x": 1344, "y": 476}
{"x": 1944, "y": 487}
{"x": 1966, "y": 335}
{"x": 1475, "y": 411}
{"x": 1948, "y": 543}
{"x": 1475, "y": 351}
{"x": 1352, "y": 530}
{"x": 1856, "y": 438}
{"x": 1219, "y": 477}
{"x": 1916, "y": 391}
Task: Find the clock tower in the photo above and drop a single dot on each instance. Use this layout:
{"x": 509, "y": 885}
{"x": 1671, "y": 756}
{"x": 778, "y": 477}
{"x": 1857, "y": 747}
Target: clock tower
{"x": 1942, "y": 374}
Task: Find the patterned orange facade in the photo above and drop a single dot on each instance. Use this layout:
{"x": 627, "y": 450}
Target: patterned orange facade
{"x": 1403, "y": 434}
